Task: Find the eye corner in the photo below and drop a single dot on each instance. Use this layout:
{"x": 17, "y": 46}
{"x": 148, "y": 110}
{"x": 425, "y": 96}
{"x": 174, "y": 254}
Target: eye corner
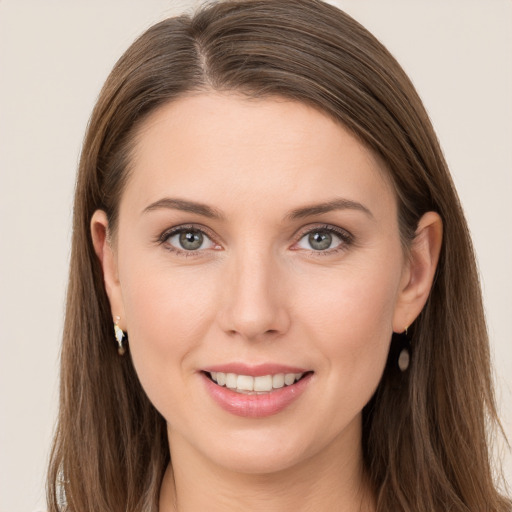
{"x": 328, "y": 235}
{"x": 188, "y": 240}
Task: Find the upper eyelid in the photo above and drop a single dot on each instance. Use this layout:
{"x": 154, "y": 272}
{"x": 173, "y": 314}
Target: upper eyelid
{"x": 326, "y": 227}
{"x": 346, "y": 238}
{"x": 183, "y": 227}
{"x": 299, "y": 234}
{"x": 163, "y": 238}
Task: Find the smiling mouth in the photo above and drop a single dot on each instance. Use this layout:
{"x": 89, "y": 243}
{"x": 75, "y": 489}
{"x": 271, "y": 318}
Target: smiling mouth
{"x": 246, "y": 384}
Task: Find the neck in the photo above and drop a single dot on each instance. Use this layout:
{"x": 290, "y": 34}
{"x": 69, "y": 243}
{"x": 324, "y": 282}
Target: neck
{"x": 330, "y": 480}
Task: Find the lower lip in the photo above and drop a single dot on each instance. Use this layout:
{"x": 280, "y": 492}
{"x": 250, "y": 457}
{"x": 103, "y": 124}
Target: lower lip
{"x": 256, "y": 406}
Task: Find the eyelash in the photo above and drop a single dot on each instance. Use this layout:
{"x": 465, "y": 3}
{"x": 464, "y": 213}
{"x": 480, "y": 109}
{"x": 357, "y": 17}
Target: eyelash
{"x": 164, "y": 237}
{"x": 346, "y": 238}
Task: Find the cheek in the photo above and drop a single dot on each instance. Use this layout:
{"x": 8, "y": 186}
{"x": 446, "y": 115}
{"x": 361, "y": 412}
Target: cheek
{"x": 352, "y": 329}
{"x": 351, "y": 319}
{"x": 162, "y": 302}
{"x": 355, "y": 299}
{"x": 168, "y": 314}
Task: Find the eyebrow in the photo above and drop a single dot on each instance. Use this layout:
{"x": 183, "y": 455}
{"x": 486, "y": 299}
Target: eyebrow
{"x": 298, "y": 213}
{"x": 185, "y": 206}
{"x": 329, "y": 206}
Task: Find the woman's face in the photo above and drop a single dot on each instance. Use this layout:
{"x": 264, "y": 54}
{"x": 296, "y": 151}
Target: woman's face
{"x": 257, "y": 239}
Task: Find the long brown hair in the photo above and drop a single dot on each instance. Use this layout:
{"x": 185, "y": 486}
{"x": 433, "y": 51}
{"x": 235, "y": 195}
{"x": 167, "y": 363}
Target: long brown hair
{"x": 426, "y": 432}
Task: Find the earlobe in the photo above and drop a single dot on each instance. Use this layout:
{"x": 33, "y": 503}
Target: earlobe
{"x": 105, "y": 253}
{"x": 421, "y": 268}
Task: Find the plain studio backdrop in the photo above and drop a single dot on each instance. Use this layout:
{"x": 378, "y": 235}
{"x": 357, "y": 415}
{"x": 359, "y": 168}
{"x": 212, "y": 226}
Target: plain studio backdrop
{"x": 54, "y": 57}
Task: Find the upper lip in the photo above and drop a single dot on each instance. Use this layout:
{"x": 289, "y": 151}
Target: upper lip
{"x": 254, "y": 370}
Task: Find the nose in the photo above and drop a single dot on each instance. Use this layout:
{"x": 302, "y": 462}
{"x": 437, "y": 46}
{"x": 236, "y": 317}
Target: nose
{"x": 255, "y": 303}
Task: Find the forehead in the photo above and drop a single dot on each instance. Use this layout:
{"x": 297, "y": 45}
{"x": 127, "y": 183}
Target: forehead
{"x": 227, "y": 147}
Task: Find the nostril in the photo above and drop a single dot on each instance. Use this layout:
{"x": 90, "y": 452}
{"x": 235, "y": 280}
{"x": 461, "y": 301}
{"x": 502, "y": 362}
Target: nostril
{"x": 253, "y": 319}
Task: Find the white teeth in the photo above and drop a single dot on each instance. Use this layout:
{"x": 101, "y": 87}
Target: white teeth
{"x": 263, "y": 383}
{"x": 289, "y": 378}
{"x": 248, "y": 384}
{"x": 220, "y": 378}
{"x": 278, "y": 380}
{"x": 245, "y": 383}
{"x": 230, "y": 380}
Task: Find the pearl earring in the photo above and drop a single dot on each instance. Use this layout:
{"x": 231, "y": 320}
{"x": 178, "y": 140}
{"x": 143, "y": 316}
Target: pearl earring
{"x": 120, "y": 335}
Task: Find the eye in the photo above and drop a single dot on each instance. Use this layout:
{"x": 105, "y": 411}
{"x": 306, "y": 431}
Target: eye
{"x": 188, "y": 239}
{"x": 323, "y": 239}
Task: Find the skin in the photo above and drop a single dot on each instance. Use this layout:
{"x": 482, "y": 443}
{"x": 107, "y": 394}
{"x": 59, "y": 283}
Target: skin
{"x": 258, "y": 292}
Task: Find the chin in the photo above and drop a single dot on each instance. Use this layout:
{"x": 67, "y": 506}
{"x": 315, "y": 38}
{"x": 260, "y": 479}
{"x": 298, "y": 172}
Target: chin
{"x": 262, "y": 462}
{"x": 264, "y": 451}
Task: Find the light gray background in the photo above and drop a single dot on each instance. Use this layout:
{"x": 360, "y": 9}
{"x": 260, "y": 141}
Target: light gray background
{"x": 54, "y": 56}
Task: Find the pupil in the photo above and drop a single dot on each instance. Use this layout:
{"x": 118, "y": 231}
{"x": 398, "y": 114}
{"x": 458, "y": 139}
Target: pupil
{"x": 191, "y": 240}
{"x": 320, "y": 240}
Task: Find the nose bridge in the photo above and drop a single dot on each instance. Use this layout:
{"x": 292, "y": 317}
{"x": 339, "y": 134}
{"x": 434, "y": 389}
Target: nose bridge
{"x": 255, "y": 304}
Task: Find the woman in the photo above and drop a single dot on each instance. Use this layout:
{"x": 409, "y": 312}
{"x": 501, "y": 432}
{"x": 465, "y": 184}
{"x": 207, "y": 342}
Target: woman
{"x": 273, "y": 301}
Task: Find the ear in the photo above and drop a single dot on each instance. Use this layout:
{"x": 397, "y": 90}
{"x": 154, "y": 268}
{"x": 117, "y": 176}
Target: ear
{"x": 419, "y": 271}
{"x": 103, "y": 248}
